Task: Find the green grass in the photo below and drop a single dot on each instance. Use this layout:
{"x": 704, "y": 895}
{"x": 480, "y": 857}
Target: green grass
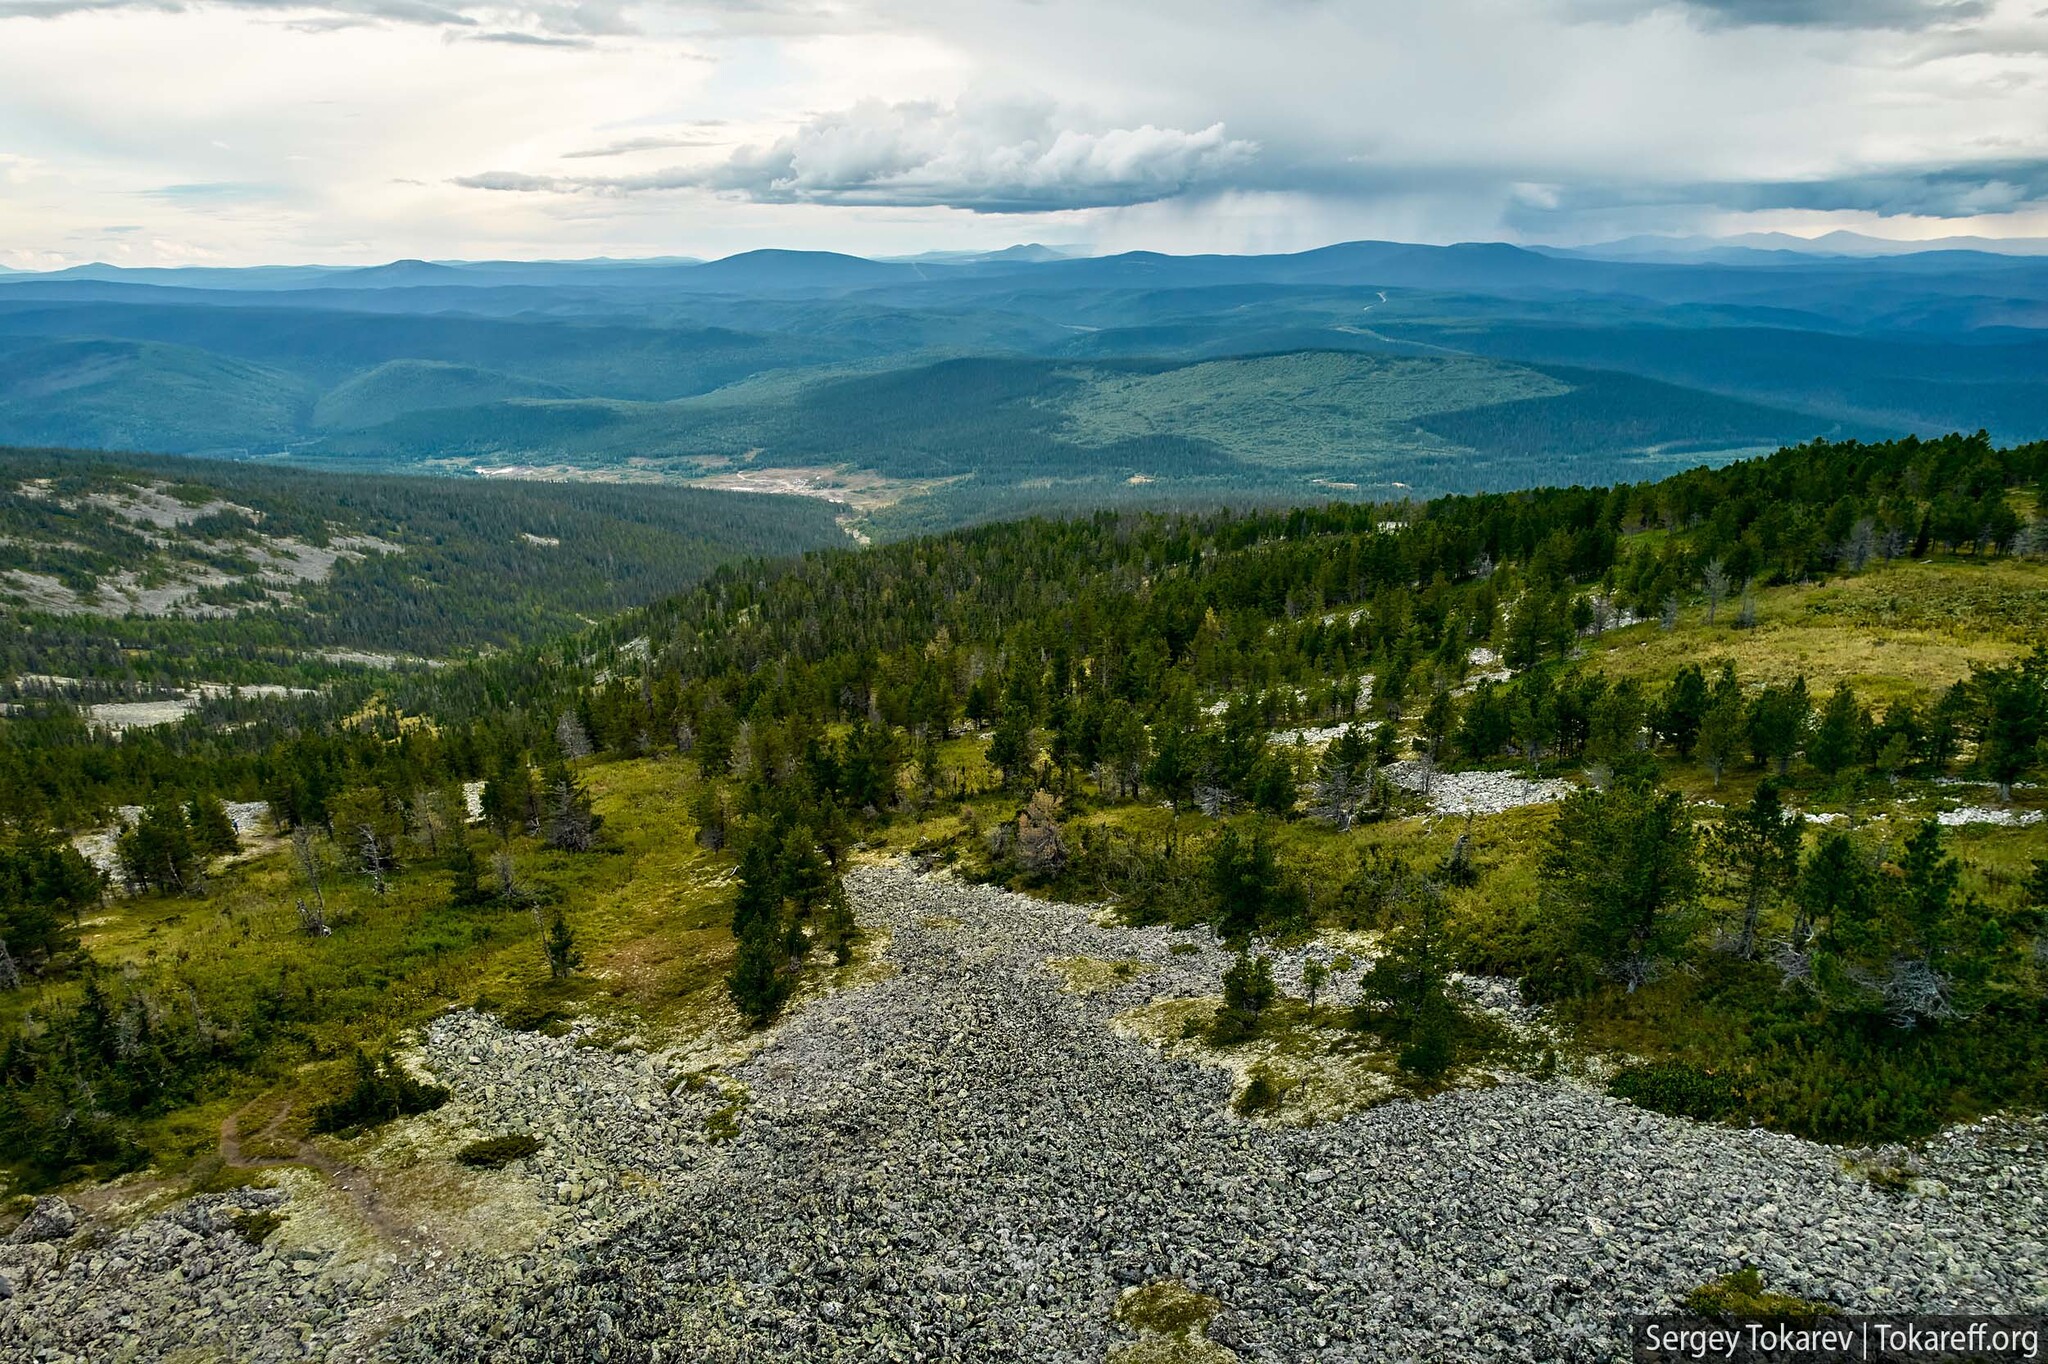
{"x": 1898, "y": 631}
{"x": 650, "y": 914}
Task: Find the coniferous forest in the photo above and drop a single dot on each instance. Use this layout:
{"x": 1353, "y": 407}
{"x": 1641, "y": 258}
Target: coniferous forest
{"x": 1743, "y": 877}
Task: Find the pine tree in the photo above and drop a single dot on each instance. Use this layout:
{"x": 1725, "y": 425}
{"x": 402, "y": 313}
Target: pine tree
{"x": 1010, "y": 750}
{"x": 1620, "y": 878}
{"x": 2013, "y": 710}
{"x": 1337, "y": 791}
{"x": 1835, "y": 900}
{"x": 466, "y": 872}
{"x": 558, "y": 943}
{"x": 1683, "y": 709}
{"x": 1407, "y": 988}
{"x": 1250, "y": 889}
{"x": 1839, "y": 735}
{"x": 1778, "y": 719}
{"x": 1722, "y": 725}
{"x": 157, "y": 851}
{"x": 1758, "y": 851}
{"x": 1248, "y": 991}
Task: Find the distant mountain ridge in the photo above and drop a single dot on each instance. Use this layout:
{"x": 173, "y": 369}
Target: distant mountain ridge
{"x": 1461, "y": 264}
{"x": 953, "y": 387}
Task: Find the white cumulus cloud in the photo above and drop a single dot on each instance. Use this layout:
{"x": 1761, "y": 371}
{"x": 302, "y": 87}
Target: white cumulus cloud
{"x": 1000, "y": 157}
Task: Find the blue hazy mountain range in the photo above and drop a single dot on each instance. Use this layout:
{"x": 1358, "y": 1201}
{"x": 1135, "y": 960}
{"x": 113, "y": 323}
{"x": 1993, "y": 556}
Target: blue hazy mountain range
{"x": 965, "y": 385}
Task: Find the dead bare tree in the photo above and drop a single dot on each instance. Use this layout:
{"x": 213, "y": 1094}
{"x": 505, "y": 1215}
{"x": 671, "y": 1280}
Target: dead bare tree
{"x": 427, "y": 815}
{"x": 309, "y": 863}
{"x": 1041, "y": 844}
{"x": 370, "y": 850}
{"x": 1714, "y": 581}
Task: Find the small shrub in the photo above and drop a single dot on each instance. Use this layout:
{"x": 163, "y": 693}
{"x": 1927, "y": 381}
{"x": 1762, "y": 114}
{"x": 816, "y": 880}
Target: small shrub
{"x": 1231, "y": 1026}
{"x": 1166, "y": 1306}
{"x": 1742, "y": 1294}
{"x": 1885, "y": 1176}
{"x": 1678, "y": 1089}
{"x": 529, "y": 1015}
{"x": 494, "y": 1153}
{"x": 1262, "y": 1094}
{"x": 380, "y": 1091}
{"x": 724, "y": 1124}
{"x": 255, "y": 1227}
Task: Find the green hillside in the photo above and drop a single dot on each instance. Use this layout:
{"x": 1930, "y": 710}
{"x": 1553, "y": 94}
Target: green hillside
{"x": 138, "y": 571}
{"x": 131, "y": 395}
{"x": 1323, "y": 411}
{"x": 399, "y": 387}
{"x": 1010, "y": 435}
{"x": 934, "y": 395}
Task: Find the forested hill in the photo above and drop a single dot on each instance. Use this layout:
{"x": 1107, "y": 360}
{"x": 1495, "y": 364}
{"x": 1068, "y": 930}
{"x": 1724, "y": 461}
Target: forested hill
{"x": 131, "y": 571}
{"x": 1245, "y": 597}
{"x": 1732, "y": 770}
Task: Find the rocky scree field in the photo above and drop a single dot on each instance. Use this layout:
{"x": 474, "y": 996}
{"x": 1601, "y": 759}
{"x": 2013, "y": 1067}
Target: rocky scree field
{"x": 967, "y": 1158}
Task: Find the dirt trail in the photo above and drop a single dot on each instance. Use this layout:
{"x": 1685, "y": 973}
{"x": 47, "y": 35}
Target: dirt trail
{"x": 351, "y": 1180}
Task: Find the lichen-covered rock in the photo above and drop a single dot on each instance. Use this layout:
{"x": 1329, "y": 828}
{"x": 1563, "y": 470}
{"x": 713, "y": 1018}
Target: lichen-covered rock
{"x": 52, "y": 1219}
{"x": 966, "y": 1160}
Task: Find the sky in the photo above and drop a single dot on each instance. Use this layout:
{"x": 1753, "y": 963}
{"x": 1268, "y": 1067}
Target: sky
{"x": 239, "y": 132}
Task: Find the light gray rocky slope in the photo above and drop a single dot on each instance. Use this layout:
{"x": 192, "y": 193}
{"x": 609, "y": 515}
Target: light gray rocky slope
{"x": 962, "y": 1161}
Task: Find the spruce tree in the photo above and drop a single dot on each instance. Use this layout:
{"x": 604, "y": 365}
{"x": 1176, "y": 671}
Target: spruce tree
{"x": 757, "y": 982}
{"x": 213, "y": 833}
{"x": 837, "y": 929}
{"x": 558, "y": 943}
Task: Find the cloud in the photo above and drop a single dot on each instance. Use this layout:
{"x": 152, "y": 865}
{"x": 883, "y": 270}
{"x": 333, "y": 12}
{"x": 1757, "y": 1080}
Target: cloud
{"x": 1007, "y": 157}
{"x": 515, "y": 182}
{"x": 1892, "y": 14}
{"x": 1924, "y": 192}
{"x": 636, "y": 144}
{"x": 1847, "y": 15}
{"x": 214, "y": 191}
{"x": 1558, "y": 120}
{"x": 511, "y": 21}
{"x": 516, "y": 39}
{"x": 1945, "y": 192}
